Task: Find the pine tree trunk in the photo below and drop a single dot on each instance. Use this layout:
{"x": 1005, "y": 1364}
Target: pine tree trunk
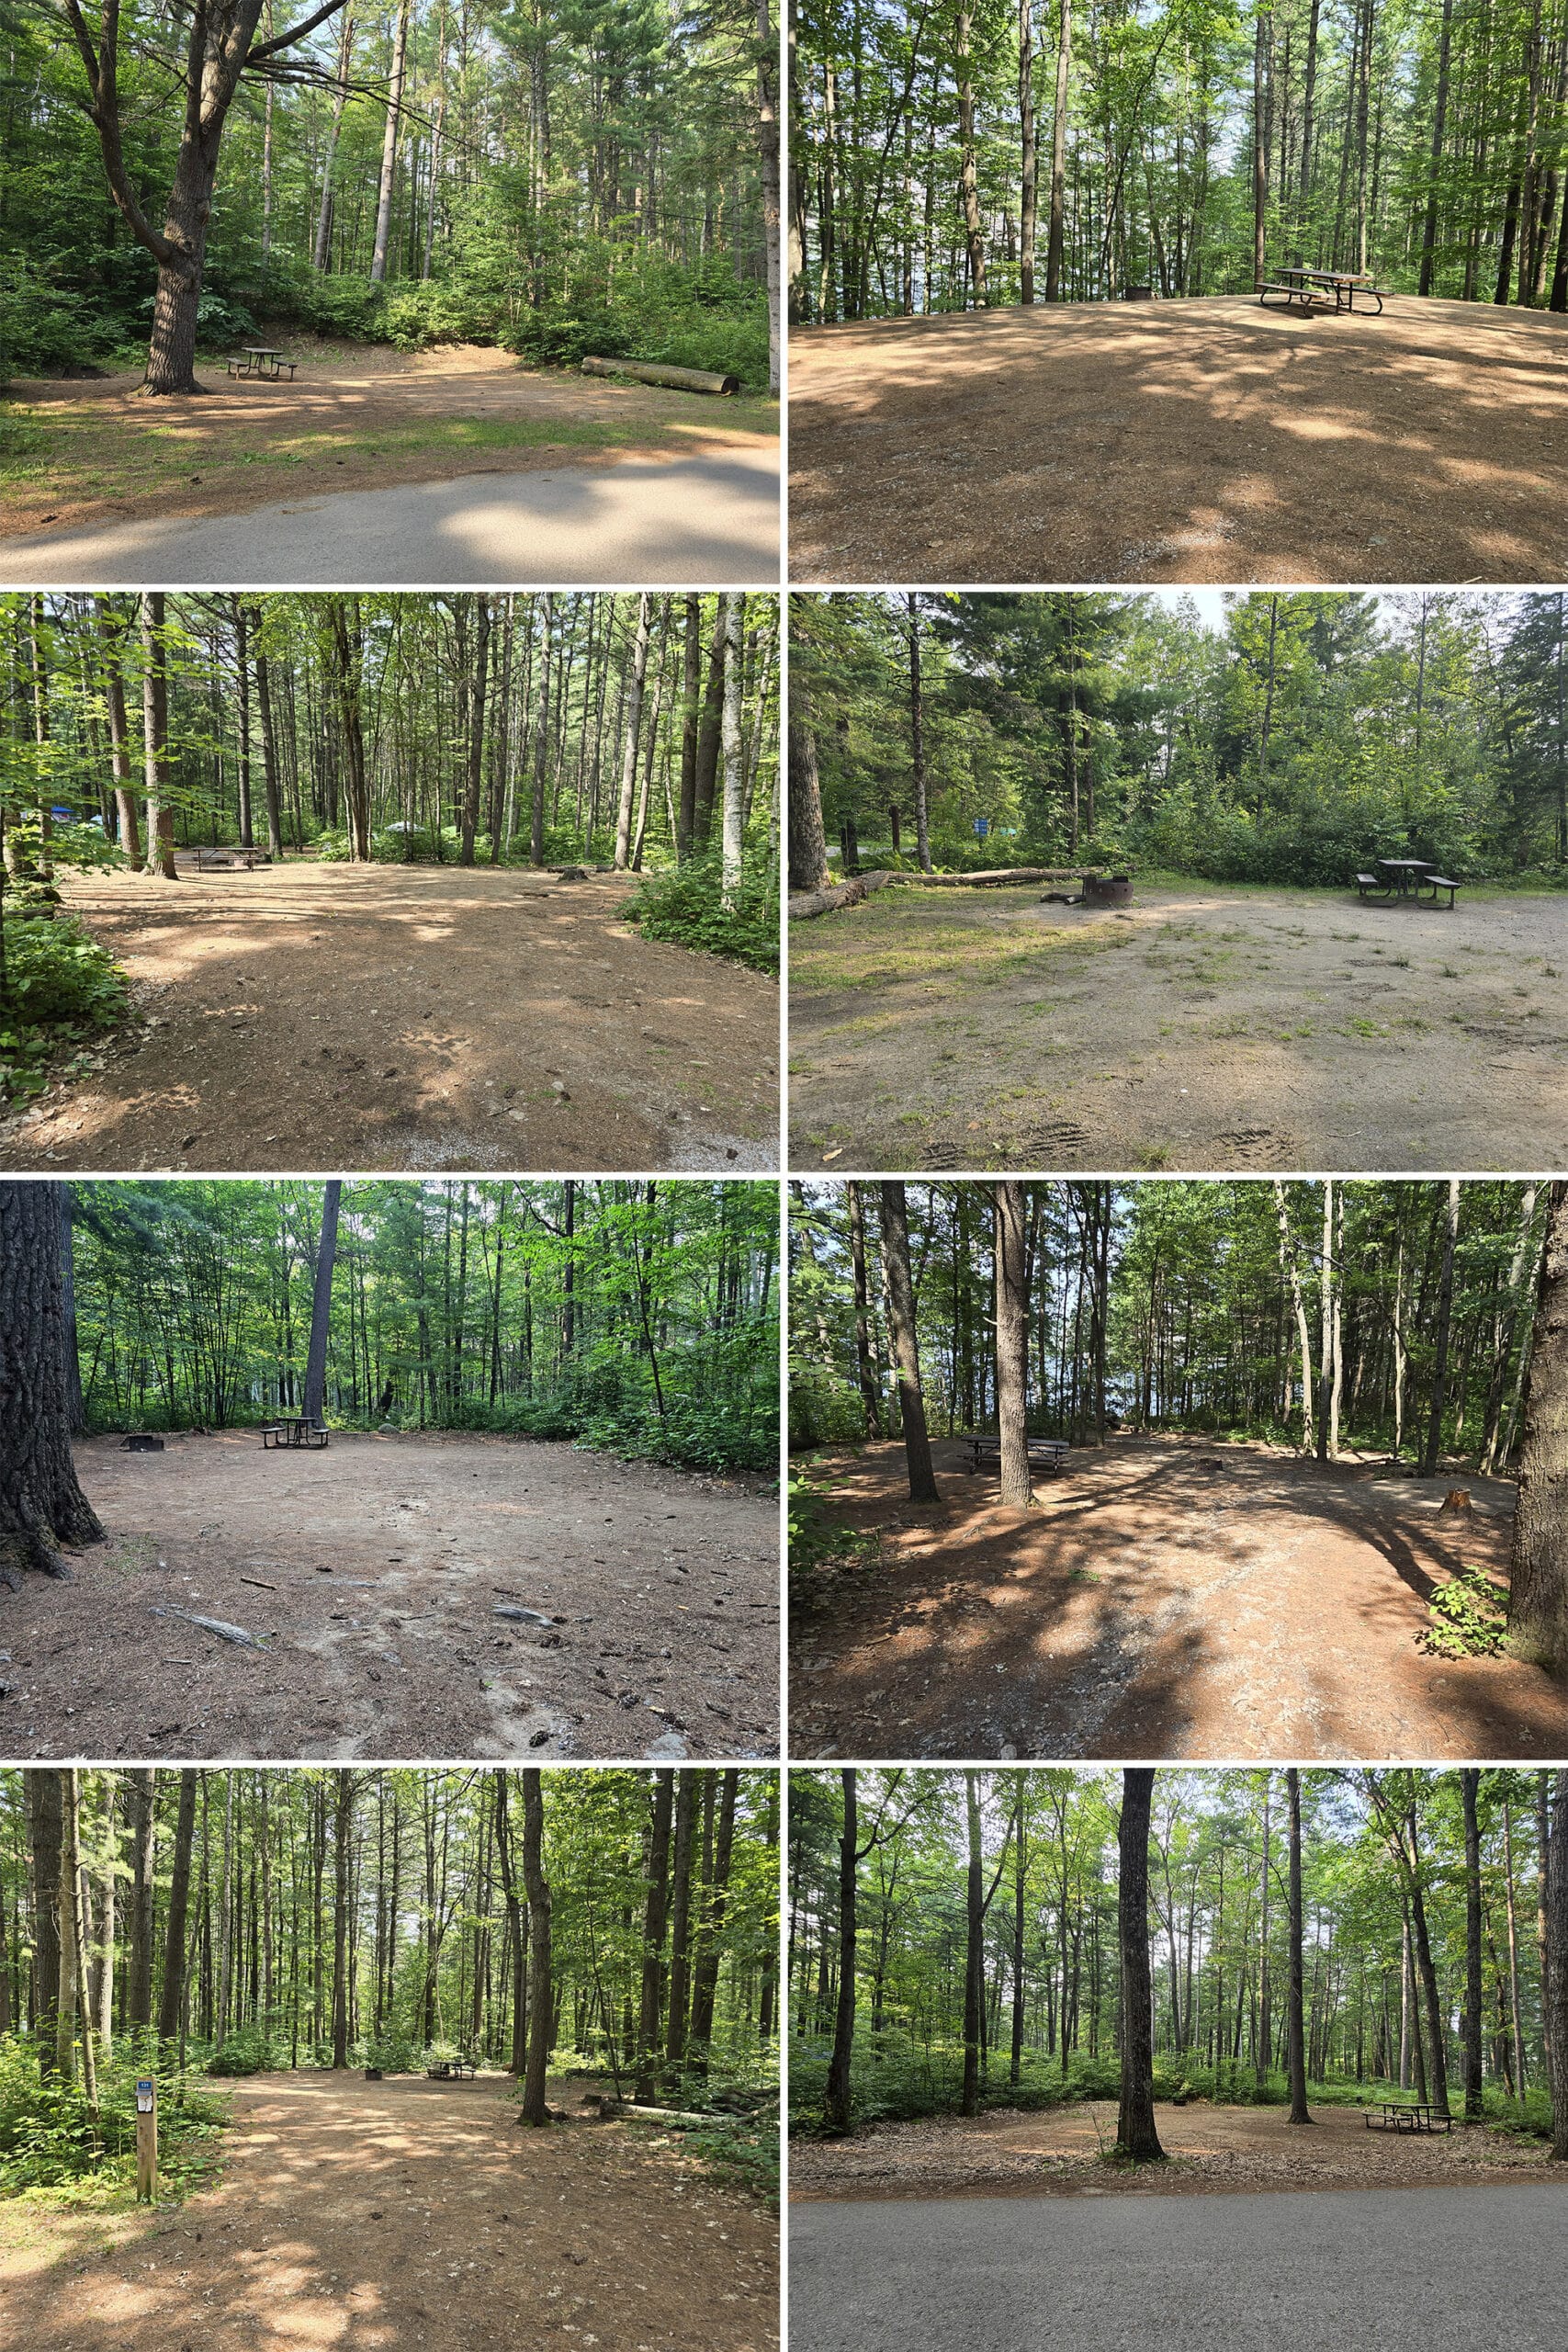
{"x": 1295, "y": 2033}
{"x": 141, "y": 1791}
{"x": 41, "y": 1505}
{"x": 1056, "y": 224}
{"x": 1537, "y": 1604}
{"x": 1012, "y": 1345}
{"x": 322, "y": 1304}
{"x": 1469, "y": 1782}
{"x": 171, "y": 1999}
{"x": 654, "y": 1923}
{"x": 540, "y": 2003}
{"x": 836, "y": 2104}
{"x": 1136, "y": 2138}
{"x": 906, "y": 1347}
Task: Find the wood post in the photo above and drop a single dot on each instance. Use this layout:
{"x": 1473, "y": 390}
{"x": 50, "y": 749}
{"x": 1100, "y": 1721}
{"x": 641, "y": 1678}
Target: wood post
{"x": 146, "y": 2142}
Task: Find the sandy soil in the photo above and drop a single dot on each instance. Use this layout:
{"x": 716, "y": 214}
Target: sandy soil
{"x": 354, "y": 418}
{"x": 372, "y": 1571}
{"x": 1166, "y": 1597}
{"x": 378, "y": 2217}
{"x": 1058, "y": 2150}
{"x": 1202, "y": 1027}
{"x": 311, "y": 1016}
{"x": 1208, "y": 440}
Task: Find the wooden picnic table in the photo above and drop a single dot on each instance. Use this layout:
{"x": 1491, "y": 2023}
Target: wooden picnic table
{"x": 1407, "y": 2115}
{"x": 262, "y": 359}
{"x": 1044, "y": 1452}
{"x": 293, "y": 1429}
{"x": 1406, "y": 871}
{"x": 219, "y": 859}
{"x": 452, "y": 2070}
{"x": 1308, "y": 285}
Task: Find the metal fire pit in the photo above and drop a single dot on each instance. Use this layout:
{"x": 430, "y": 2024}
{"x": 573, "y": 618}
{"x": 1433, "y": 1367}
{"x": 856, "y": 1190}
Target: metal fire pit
{"x": 1108, "y": 890}
{"x": 139, "y": 1442}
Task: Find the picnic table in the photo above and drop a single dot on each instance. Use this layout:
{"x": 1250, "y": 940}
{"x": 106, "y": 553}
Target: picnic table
{"x": 293, "y": 1429}
{"x": 222, "y": 859}
{"x": 1044, "y": 1452}
{"x": 1405, "y": 877}
{"x": 451, "y": 2069}
{"x": 262, "y": 359}
{"x": 1407, "y": 2115}
{"x": 1318, "y": 288}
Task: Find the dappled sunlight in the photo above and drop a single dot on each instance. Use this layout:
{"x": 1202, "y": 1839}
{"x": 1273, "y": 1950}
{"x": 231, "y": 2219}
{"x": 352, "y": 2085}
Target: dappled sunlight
{"x": 1170, "y": 1595}
{"x": 1092, "y": 440}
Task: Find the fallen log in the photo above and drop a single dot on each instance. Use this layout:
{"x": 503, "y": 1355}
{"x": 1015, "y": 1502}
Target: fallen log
{"x": 612, "y": 2110}
{"x": 218, "y": 1625}
{"x": 648, "y": 371}
{"x": 805, "y": 904}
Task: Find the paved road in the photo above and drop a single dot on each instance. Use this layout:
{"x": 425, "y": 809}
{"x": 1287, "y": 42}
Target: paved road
{"x": 642, "y": 521}
{"x": 1324, "y": 2271}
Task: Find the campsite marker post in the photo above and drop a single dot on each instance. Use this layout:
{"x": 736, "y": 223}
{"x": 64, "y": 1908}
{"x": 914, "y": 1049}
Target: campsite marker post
{"x": 146, "y": 2142}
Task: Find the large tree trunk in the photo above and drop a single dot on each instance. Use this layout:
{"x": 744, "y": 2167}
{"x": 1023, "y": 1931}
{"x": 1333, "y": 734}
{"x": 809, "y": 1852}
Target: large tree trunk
{"x": 176, "y": 302}
{"x": 1027, "y": 176}
{"x": 918, "y": 736}
{"x": 633, "y": 731}
{"x": 1056, "y": 224}
{"x": 1136, "y": 2138}
{"x": 476, "y": 744}
{"x": 540, "y": 2005}
{"x": 870, "y": 1396}
{"x": 390, "y": 148}
{"x": 342, "y": 1823}
{"x": 44, "y": 1833}
{"x": 541, "y": 735}
{"x": 1438, "y": 1397}
{"x": 768, "y": 149}
{"x": 140, "y": 1790}
{"x": 321, "y": 1303}
{"x": 111, "y": 639}
{"x": 836, "y": 2106}
{"x": 41, "y": 1505}
{"x": 808, "y": 867}
{"x": 155, "y": 737}
{"x": 679, "y": 2005}
{"x": 1295, "y": 2042}
{"x": 1469, "y": 1782}
{"x": 171, "y": 2000}
{"x": 733, "y": 818}
{"x": 705, "y": 1974}
{"x": 1012, "y": 1345}
{"x": 905, "y": 1346}
{"x": 1538, "y": 1589}
{"x": 347, "y": 646}
{"x": 654, "y": 1923}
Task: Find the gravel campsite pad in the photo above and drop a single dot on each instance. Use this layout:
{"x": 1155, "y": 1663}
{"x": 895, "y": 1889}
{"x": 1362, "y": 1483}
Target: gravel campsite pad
{"x": 1058, "y": 2149}
{"x": 399, "y": 2213}
{"x": 1205, "y": 1026}
{"x": 323, "y": 1016}
{"x": 370, "y": 1575}
{"x": 1203, "y": 440}
{"x": 355, "y": 417}
{"x": 1166, "y": 1597}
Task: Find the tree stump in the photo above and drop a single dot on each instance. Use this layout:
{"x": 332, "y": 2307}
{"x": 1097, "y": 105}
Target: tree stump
{"x": 1458, "y": 1500}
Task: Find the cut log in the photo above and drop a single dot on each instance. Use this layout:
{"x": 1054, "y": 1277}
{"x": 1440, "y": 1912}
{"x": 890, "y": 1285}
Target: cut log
{"x": 805, "y": 904}
{"x": 648, "y": 371}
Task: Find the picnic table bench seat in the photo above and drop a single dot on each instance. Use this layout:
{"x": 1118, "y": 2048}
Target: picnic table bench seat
{"x": 1377, "y": 883}
{"x": 1436, "y": 882}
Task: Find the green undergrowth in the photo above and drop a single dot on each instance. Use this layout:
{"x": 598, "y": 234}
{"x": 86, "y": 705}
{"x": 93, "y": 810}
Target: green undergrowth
{"x": 686, "y": 905}
{"x": 819, "y": 1542}
{"x": 1467, "y": 1617}
{"x": 59, "y": 987}
{"x": 51, "y": 2139}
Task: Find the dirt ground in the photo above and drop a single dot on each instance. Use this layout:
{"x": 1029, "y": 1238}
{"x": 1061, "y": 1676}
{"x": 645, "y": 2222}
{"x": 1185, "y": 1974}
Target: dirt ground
{"x": 371, "y": 1573}
{"x": 422, "y": 1017}
{"x": 1166, "y": 1597}
{"x": 1205, "y": 1026}
{"x": 378, "y": 2217}
{"x": 1057, "y": 2151}
{"x": 355, "y": 417}
{"x": 1206, "y": 440}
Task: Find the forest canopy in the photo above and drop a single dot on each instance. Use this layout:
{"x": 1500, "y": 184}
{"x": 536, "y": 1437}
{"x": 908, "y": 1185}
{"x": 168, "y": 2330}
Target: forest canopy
{"x": 957, "y": 155}
{"x": 1387, "y": 1318}
{"x": 1432, "y": 1963}
{"x": 639, "y": 1317}
{"x": 615, "y": 1924}
{"x": 1288, "y": 737}
{"x": 558, "y": 180}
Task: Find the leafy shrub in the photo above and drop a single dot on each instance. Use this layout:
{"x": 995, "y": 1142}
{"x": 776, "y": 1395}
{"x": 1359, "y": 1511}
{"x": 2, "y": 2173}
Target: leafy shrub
{"x": 816, "y": 1541}
{"x": 685, "y": 904}
{"x": 50, "y": 2138}
{"x": 1467, "y": 1617}
{"x": 250, "y": 2050}
{"x": 44, "y": 325}
{"x": 59, "y": 985}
